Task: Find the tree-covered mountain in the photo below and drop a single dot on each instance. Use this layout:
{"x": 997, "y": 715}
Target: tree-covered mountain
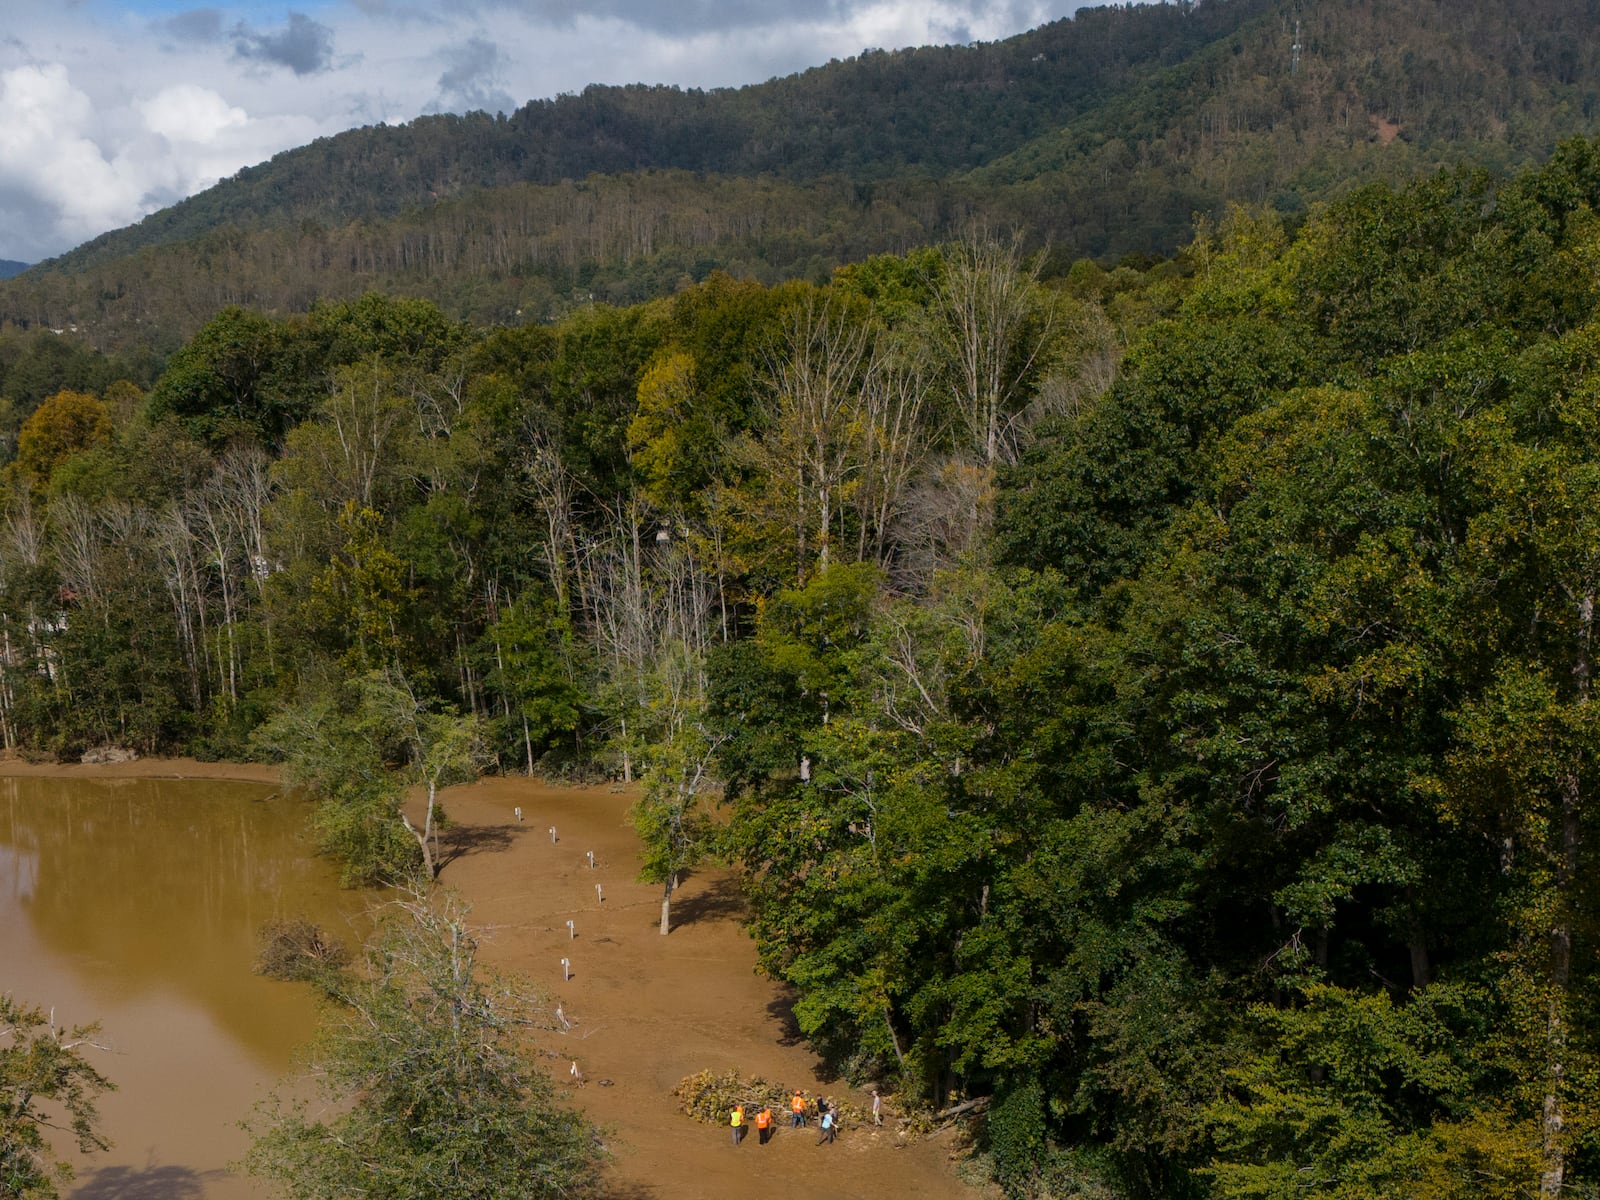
{"x": 10, "y": 267}
{"x": 1101, "y": 135}
{"x": 933, "y": 111}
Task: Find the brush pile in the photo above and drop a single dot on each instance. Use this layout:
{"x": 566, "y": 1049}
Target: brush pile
{"x": 296, "y": 950}
{"x": 709, "y": 1098}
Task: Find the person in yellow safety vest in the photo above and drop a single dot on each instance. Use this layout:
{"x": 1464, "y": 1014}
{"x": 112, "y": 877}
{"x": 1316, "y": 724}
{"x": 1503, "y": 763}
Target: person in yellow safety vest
{"x": 736, "y": 1121}
{"x": 797, "y": 1109}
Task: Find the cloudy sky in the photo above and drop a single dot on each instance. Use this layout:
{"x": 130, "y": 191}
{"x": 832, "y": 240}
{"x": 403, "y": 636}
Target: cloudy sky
{"x": 111, "y": 109}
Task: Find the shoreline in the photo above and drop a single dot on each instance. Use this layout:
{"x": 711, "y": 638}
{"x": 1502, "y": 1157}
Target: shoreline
{"x": 13, "y": 765}
{"x": 642, "y": 1011}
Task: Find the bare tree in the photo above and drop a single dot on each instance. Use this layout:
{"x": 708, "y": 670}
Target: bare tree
{"x": 647, "y": 602}
{"x": 891, "y": 439}
{"x": 173, "y": 544}
{"x": 242, "y": 485}
{"x": 355, "y": 440}
{"x": 812, "y": 446}
{"x": 992, "y": 330}
{"x": 22, "y": 539}
{"x": 945, "y": 515}
{"x": 78, "y": 547}
{"x": 553, "y": 489}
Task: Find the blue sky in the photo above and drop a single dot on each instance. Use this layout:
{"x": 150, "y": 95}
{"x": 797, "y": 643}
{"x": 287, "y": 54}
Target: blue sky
{"x": 112, "y": 109}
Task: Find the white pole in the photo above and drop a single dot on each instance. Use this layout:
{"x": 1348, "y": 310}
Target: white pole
{"x": 591, "y": 860}
{"x": 599, "y": 896}
{"x": 566, "y": 969}
{"x": 571, "y": 932}
{"x": 552, "y": 835}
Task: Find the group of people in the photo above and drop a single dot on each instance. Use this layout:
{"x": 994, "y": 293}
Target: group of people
{"x": 827, "y": 1118}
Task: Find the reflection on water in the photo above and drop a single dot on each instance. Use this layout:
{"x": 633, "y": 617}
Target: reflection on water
{"x": 136, "y": 903}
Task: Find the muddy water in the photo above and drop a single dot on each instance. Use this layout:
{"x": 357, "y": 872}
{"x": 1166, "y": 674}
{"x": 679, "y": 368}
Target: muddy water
{"x": 135, "y": 903}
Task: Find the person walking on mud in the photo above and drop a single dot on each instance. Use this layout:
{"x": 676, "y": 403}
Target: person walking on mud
{"x": 877, "y": 1107}
{"x": 797, "y": 1110}
{"x": 828, "y": 1126}
{"x": 763, "y": 1125}
{"x": 736, "y": 1123}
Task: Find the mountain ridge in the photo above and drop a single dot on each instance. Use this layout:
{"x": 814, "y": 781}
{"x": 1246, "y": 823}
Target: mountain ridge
{"x": 1100, "y": 135}
{"x": 750, "y": 130}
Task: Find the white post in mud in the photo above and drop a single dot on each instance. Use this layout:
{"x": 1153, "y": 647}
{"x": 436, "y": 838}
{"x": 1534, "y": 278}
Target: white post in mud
{"x": 566, "y": 970}
{"x": 571, "y": 932}
{"x": 591, "y": 860}
{"x": 552, "y": 835}
{"x": 599, "y": 896}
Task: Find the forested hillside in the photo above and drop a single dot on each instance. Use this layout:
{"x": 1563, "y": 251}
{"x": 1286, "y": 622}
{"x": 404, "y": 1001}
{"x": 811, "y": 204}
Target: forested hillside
{"x": 1153, "y": 706}
{"x": 934, "y": 111}
{"x": 1101, "y": 136}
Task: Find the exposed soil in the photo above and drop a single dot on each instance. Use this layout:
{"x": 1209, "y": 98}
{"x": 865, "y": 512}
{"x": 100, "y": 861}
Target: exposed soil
{"x": 645, "y": 1010}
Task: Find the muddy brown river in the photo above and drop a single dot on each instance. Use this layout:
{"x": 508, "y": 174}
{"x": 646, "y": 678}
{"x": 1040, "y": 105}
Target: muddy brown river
{"x": 135, "y": 903}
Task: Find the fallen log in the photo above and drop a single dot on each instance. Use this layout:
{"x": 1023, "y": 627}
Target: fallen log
{"x": 966, "y": 1106}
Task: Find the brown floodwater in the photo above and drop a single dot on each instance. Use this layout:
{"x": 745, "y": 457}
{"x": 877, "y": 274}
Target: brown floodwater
{"x": 135, "y": 903}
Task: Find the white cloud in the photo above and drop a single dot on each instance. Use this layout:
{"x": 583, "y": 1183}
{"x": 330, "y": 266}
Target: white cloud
{"x": 51, "y": 169}
{"x": 189, "y": 113}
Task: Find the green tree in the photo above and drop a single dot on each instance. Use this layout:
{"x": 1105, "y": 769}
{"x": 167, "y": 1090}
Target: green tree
{"x": 1337, "y": 1094}
{"x": 361, "y": 598}
{"x": 327, "y": 748}
{"x": 66, "y": 424}
{"x": 426, "y": 1062}
{"x": 223, "y": 383}
{"x": 437, "y": 747}
{"x": 46, "y": 1082}
{"x": 676, "y": 832}
{"x": 356, "y": 747}
{"x": 670, "y": 437}
{"x": 540, "y": 701}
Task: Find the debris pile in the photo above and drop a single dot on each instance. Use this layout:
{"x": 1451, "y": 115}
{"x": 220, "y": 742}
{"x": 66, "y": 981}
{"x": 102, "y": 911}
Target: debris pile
{"x": 296, "y": 950}
{"x": 709, "y": 1097}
